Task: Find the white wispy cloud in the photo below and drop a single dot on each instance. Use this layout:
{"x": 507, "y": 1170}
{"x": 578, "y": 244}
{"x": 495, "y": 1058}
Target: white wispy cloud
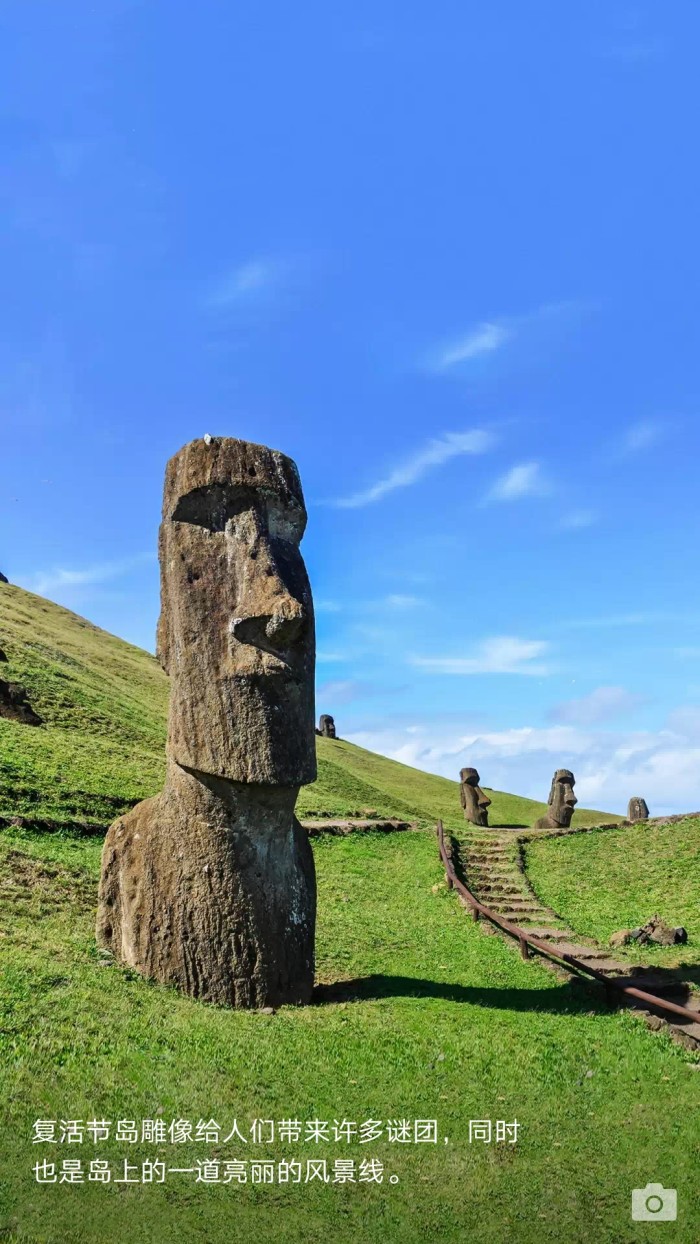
{"x": 482, "y": 339}
{"x": 246, "y": 282}
{"x": 643, "y": 618}
{"x": 577, "y": 520}
{"x": 395, "y": 600}
{"x": 433, "y": 454}
{"x": 523, "y": 480}
{"x": 59, "y": 578}
{"x": 343, "y": 691}
{"x": 602, "y": 704}
{"x": 662, "y": 766}
{"x": 642, "y": 435}
{"x": 490, "y": 336}
{"x": 499, "y": 654}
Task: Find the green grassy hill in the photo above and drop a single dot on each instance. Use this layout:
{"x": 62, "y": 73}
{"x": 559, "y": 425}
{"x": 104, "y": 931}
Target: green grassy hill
{"x": 104, "y": 704}
{"x": 619, "y": 878}
{"x": 417, "y": 1015}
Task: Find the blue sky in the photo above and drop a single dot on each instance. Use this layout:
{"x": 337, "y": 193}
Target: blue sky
{"x": 443, "y": 255}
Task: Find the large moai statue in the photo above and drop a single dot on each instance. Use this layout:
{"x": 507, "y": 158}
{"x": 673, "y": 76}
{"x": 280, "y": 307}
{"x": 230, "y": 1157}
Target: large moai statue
{"x": 637, "y": 810}
{"x": 211, "y": 885}
{"x": 562, "y": 802}
{"x": 472, "y": 798}
{"x": 326, "y": 726}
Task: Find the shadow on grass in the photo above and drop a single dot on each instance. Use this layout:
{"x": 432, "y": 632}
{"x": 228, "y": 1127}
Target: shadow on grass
{"x": 565, "y": 998}
{"x": 509, "y": 825}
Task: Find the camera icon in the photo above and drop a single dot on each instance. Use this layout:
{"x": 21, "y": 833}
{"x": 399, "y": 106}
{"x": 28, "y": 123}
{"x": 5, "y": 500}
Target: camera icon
{"x": 654, "y": 1204}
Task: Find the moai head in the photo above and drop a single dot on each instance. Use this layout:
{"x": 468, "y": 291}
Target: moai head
{"x": 562, "y": 799}
{"x": 326, "y": 726}
{"x": 236, "y": 628}
{"x": 637, "y": 810}
{"x": 473, "y": 799}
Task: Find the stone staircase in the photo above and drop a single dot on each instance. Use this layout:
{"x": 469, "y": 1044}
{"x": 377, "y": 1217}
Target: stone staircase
{"x": 493, "y": 869}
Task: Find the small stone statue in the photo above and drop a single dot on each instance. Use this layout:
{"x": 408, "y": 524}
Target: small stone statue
{"x": 14, "y": 705}
{"x": 472, "y": 798}
{"x": 562, "y": 802}
{"x": 211, "y": 885}
{"x": 637, "y": 810}
{"x": 326, "y": 726}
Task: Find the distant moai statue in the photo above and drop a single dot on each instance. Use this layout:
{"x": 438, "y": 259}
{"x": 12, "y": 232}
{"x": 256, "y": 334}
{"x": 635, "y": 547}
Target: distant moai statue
{"x": 210, "y": 885}
{"x": 472, "y": 798}
{"x": 326, "y": 726}
{"x": 637, "y": 810}
{"x": 562, "y": 802}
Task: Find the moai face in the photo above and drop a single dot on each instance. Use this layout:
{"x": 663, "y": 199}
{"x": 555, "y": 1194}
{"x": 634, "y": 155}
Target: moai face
{"x": 637, "y": 810}
{"x": 327, "y": 726}
{"x": 562, "y": 799}
{"x": 474, "y": 801}
{"x": 236, "y": 630}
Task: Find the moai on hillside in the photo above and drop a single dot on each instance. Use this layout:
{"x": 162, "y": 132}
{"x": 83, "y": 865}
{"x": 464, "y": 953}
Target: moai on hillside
{"x": 562, "y": 802}
{"x": 14, "y": 705}
{"x": 210, "y": 885}
{"x": 637, "y": 810}
{"x": 472, "y": 798}
{"x": 326, "y": 726}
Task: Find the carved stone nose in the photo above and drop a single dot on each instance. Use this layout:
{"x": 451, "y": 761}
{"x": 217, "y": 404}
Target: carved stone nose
{"x": 264, "y": 630}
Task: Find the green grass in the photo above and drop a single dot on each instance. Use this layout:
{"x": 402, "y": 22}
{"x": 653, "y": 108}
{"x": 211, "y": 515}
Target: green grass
{"x": 419, "y": 1014}
{"x": 619, "y": 878}
{"x": 102, "y": 748}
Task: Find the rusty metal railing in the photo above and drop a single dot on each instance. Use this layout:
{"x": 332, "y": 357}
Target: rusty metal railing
{"x": 527, "y": 942}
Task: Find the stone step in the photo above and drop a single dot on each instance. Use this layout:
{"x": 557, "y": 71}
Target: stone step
{"x": 486, "y": 875}
{"x": 494, "y": 853}
{"x": 488, "y": 880}
{"x": 546, "y": 933}
{"x": 491, "y": 851}
{"x": 502, "y": 864}
{"x": 607, "y": 965}
{"x": 513, "y": 917}
{"x": 497, "y": 887}
{"x": 662, "y": 985}
{"x": 584, "y": 953}
{"x": 689, "y": 1030}
{"x": 517, "y": 904}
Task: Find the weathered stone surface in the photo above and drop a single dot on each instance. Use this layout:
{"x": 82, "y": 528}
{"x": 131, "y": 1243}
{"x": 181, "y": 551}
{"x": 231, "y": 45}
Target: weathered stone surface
{"x": 211, "y": 884}
{"x": 236, "y": 629}
{"x": 562, "y": 802}
{"x": 655, "y": 930}
{"x": 637, "y": 810}
{"x": 14, "y": 705}
{"x": 326, "y": 726}
{"x": 472, "y": 798}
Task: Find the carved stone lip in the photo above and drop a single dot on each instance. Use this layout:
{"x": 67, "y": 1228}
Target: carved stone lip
{"x": 268, "y": 664}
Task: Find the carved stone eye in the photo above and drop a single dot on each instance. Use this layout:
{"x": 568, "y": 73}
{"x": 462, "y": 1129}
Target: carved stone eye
{"x": 214, "y": 505}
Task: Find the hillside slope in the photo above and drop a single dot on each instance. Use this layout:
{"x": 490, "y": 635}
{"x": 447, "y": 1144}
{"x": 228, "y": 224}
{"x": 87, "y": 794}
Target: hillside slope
{"x": 101, "y": 747}
{"x": 618, "y": 879}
